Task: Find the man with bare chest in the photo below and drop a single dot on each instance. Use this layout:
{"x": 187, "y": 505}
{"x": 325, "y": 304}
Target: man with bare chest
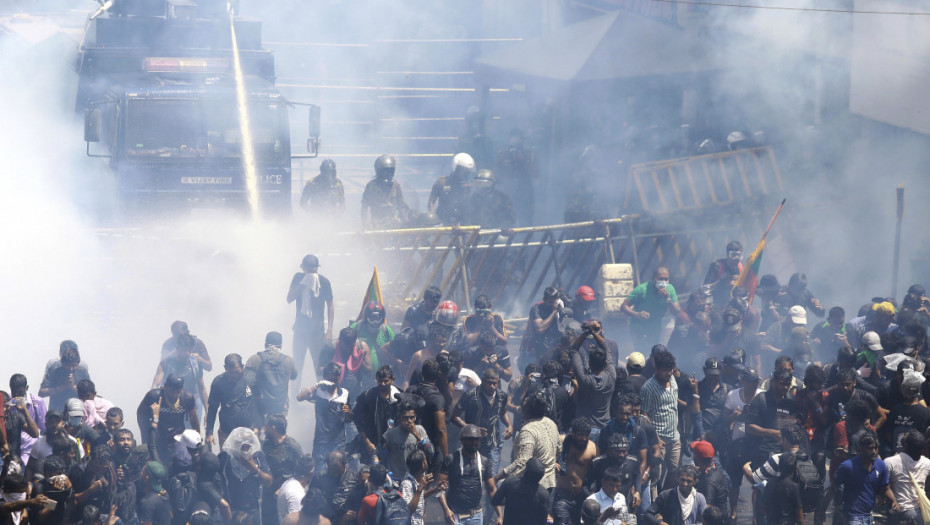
{"x": 578, "y": 452}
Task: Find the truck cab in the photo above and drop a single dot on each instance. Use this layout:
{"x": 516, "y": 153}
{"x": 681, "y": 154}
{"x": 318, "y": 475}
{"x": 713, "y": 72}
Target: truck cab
{"x": 158, "y": 93}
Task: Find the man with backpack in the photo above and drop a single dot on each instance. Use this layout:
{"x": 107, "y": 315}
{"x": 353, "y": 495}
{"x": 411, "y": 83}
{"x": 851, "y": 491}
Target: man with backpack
{"x": 807, "y": 474}
{"x": 467, "y": 471}
{"x": 274, "y": 370}
{"x": 384, "y": 505}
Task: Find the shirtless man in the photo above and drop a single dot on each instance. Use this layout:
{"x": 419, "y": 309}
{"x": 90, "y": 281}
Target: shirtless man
{"x": 309, "y": 512}
{"x": 436, "y": 344}
{"x": 578, "y": 452}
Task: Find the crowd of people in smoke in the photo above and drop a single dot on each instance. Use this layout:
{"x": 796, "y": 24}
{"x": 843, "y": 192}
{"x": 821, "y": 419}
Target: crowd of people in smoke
{"x": 811, "y": 412}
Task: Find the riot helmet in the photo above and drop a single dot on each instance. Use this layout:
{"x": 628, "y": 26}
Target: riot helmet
{"x": 384, "y": 167}
{"x": 446, "y": 314}
{"x": 463, "y": 166}
{"x": 737, "y": 140}
{"x": 328, "y": 167}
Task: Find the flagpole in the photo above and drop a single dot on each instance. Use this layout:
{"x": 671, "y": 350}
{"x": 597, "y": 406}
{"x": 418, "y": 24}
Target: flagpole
{"x": 780, "y": 206}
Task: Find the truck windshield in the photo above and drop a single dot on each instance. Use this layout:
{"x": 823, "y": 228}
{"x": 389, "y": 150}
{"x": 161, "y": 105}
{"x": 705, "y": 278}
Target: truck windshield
{"x": 197, "y": 128}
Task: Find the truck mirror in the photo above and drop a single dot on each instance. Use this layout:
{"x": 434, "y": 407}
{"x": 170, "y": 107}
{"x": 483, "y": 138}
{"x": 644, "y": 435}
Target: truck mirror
{"x": 313, "y": 142}
{"x": 93, "y": 121}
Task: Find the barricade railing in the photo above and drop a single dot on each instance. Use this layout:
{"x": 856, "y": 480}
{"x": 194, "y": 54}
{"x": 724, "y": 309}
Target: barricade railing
{"x": 513, "y": 266}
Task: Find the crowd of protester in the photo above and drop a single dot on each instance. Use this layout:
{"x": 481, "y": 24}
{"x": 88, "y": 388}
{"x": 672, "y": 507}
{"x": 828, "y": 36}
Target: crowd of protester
{"x": 432, "y": 420}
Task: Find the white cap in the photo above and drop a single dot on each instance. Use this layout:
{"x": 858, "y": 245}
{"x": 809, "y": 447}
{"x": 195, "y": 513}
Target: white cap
{"x": 190, "y": 438}
{"x": 798, "y": 314}
{"x": 872, "y": 340}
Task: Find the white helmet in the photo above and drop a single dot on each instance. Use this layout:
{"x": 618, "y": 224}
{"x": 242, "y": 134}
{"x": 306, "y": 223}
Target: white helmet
{"x": 464, "y": 162}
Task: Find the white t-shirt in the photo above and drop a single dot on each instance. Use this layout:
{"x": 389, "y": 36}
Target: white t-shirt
{"x": 734, "y": 403}
{"x": 901, "y": 486}
{"x": 41, "y": 449}
{"x": 290, "y": 495}
{"x": 618, "y": 502}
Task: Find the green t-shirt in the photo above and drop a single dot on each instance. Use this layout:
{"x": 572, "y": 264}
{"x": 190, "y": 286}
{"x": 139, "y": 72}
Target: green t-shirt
{"x": 646, "y": 298}
{"x": 374, "y": 340}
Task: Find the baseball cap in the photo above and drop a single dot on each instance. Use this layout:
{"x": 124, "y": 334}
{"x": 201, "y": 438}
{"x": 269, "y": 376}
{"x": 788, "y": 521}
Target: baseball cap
{"x": 310, "y": 261}
{"x": 884, "y": 307}
{"x": 157, "y": 474}
{"x": 917, "y": 289}
{"x": 712, "y": 366}
{"x": 174, "y": 381}
{"x": 798, "y": 314}
{"x": 190, "y": 438}
{"x": 636, "y": 360}
{"x": 585, "y": 292}
{"x": 702, "y": 449}
{"x": 472, "y": 431}
{"x": 732, "y": 360}
{"x": 908, "y": 344}
{"x": 74, "y": 410}
{"x": 52, "y": 414}
{"x": 273, "y": 338}
{"x": 872, "y": 341}
{"x": 749, "y": 375}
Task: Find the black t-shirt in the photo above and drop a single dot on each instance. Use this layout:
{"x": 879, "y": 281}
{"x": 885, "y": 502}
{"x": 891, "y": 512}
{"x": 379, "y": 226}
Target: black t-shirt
{"x": 171, "y": 417}
{"x": 523, "y": 504}
{"x": 15, "y": 424}
{"x": 712, "y": 402}
{"x": 282, "y": 458}
{"x": 767, "y": 412}
{"x": 889, "y": 394}
{"x": 544, "y": 342}
{"x": 317, "y": 304}
{"x": 902, "y": 419}
{"x": 330, "y": 419}
{"x": 434, "y": 402}
{"x": 416, "y": 317}
{"x": 235, "y": 400}
{"x": 465, "y": 481}
{"x": 81, "y": 480}
{"x": 781, "y": 501}
{"x": 155, "y": 508}
{"x": 835, "y": 397}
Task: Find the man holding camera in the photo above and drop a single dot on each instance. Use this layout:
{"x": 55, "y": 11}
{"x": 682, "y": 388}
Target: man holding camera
{"x": 596, "y": 381}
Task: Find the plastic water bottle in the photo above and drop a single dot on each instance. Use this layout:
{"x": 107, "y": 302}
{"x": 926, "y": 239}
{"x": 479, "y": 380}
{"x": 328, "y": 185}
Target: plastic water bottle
{"x": 842, "y": 412}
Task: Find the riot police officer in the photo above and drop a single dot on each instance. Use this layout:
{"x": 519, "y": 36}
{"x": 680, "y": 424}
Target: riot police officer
{"x": 383, "y": 205}
{"x": 490, "y": 207}
{"x": 450, "y": 194}
{"x": 324, "y": 193}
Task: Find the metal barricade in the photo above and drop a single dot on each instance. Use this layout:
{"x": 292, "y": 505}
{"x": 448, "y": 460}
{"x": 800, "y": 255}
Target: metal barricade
{"x": 513, "y": 266}
{"x": 702, "y": 181}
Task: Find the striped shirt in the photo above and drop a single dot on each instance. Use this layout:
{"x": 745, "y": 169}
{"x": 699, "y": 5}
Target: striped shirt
{"x": 661, "y": 405}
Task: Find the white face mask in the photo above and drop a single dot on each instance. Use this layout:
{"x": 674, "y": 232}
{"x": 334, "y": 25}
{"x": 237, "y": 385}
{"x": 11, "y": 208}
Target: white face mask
{"x": 661, "y": 284}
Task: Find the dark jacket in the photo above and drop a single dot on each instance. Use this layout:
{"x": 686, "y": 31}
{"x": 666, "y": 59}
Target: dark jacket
{"x": 667, "y": 505}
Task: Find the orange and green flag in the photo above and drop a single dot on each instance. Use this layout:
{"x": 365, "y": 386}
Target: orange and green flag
{"x": 372, "y": 294}
{"x": 749, "y": 277}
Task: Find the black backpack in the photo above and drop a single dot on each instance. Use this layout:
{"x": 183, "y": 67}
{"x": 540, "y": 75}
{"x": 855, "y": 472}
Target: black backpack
{"x": 272, "y": 375}
{"x": 811, "y": 484}
{"x": 391, "y": 509}
{"x": 182, "y": 493}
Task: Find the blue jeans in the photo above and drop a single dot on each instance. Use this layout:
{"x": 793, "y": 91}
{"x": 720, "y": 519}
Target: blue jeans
{"x": 477, "y": 519}
{"x": 566, "y": 507}
{"x": 895, "y": 518}
{"x": 858, "y": 520}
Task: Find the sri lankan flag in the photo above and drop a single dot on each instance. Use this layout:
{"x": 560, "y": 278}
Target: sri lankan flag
{"x": 372, "y": 294}
{"x": 749, "y": 277}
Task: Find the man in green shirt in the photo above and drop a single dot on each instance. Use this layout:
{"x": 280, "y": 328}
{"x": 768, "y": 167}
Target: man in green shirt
{"x": 374, "y": 331}
{"x": 646, "y": 305}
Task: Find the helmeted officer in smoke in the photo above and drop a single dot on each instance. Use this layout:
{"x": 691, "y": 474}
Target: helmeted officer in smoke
{"x": 324, "y": 195}
{"x": 490, "y": 207}
{"x": 475, "y": 142}
{"x": 449, "y": 198}
{"x": 383, "y": 205}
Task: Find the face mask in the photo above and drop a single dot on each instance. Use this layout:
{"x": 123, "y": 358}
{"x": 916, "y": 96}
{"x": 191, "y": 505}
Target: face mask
{"x": 661, "y": 284}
